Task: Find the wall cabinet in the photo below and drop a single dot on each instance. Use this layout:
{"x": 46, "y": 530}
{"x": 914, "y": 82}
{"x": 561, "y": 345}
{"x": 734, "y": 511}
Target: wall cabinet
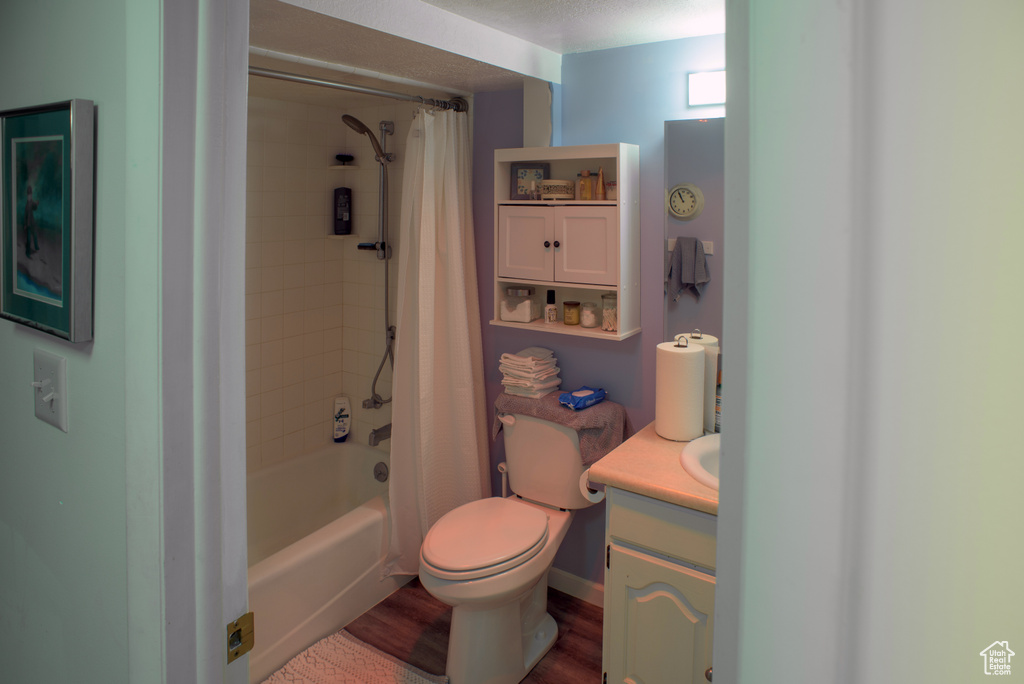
{"x": 578, "y": 244}
{"x": 579, "y": 249}
{"x": 659, "y": 591}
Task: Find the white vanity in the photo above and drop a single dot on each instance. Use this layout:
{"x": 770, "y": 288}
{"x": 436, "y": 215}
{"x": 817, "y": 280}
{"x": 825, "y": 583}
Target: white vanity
{"x": 659, "y": 589}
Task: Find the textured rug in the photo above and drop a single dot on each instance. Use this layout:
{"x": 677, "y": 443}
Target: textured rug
{"x": 343, "y": 659}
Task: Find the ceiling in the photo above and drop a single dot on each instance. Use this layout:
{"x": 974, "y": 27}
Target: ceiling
{"x": 562, "y": 26}
{"x": 569, "y": 26}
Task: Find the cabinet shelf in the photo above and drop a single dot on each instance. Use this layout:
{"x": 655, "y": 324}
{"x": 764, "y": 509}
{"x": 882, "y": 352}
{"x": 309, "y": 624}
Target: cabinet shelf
{"x": 560, "y": 328}
{"x": 559, "y": 203}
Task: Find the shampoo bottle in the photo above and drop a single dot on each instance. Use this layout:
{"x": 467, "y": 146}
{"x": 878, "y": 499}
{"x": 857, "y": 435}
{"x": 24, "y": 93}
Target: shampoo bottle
{"x": 342, "y": 418}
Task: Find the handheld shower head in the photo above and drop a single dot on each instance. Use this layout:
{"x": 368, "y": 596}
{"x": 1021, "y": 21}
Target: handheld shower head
{"x": 359, "y": 127}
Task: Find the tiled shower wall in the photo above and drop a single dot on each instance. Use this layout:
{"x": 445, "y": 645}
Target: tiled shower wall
{"x": 314, "y": 303}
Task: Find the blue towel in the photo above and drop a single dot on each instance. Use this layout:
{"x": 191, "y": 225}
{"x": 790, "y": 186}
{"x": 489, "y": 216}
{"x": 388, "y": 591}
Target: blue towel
{"x": 687, "y": 269}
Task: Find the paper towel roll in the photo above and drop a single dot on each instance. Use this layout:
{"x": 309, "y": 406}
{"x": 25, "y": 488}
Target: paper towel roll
{"x": 589, "y": 494}
{"x": 679, "y": 391}
{"x": 711, "y": 348}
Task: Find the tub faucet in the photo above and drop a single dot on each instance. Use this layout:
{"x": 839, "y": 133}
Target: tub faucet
{"x": 380, "y": 434}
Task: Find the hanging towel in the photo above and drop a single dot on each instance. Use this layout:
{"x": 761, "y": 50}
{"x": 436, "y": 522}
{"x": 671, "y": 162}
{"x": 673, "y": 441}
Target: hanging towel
{"x": 687, "y": 269}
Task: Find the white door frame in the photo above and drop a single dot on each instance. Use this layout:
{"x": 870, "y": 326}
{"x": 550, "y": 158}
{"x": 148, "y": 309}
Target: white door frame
{"x": 187, "y": 574}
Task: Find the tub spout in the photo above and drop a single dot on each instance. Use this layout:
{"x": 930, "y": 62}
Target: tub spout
{"x": 380, "y": 434}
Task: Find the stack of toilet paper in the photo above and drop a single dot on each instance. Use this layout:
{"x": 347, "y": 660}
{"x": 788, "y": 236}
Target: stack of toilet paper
{"x": 532, "y": 372}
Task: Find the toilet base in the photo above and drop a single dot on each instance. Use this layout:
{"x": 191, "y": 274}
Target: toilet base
{"x": 500, "y": 644}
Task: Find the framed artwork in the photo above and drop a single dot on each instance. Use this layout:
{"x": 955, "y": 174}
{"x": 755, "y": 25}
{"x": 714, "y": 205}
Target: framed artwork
{"x": 523, "y": 173}
{"x": 46, "y": 205}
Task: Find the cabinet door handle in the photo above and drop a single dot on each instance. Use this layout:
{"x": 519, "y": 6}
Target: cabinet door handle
{"x": 557, "y": 244}
{"x": 707, "y": 674}
{"x": 548, "y": 244}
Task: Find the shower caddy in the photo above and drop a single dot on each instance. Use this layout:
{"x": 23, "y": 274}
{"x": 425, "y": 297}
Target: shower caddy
{"x": 581, "y": 249}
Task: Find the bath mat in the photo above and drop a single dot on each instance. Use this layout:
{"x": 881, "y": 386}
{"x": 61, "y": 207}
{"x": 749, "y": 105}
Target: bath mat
{"x": 343, "y": 659}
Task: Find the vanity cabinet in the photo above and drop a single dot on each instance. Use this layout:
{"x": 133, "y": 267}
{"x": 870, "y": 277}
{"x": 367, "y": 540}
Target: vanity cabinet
{"x": 581, "y": 249}
{"x": 659, "y": 591}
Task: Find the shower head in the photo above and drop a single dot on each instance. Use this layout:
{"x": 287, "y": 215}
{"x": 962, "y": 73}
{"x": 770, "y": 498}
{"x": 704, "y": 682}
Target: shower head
{"x": 359, "y": 127}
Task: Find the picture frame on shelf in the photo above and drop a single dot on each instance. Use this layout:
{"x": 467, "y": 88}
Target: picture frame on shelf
{"x": 524, "y": 173}
{"x": 46, "y": 217}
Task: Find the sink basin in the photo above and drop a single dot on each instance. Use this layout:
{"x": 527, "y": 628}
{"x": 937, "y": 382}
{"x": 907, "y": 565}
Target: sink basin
{"x": 700, "y": 459}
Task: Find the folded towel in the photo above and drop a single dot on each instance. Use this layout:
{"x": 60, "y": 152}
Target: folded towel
{"x": 535, "y": 353}
{"x": 529, "y": 356}
{"x": 536, "y": 375}
{"x": 532, "y": 384}
{"x": 687, "y": 268}
{"x": 601, "y": 427}
{"x": 531, "y": 393}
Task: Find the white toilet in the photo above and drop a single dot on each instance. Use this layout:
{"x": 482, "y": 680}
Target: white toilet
{"x": 489, "y": 559}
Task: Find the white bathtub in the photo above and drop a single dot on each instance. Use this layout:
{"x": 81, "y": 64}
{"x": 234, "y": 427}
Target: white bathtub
{"x": 318, "y": 529}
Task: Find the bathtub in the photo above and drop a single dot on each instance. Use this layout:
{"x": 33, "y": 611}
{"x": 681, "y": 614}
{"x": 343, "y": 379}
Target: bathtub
{"x": 318, "y": 529}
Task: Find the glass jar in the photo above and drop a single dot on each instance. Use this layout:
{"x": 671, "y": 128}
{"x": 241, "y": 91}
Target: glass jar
{"x": 571, "y": 313}
{"x": 589, "y": 315}
{"x": 609, "y": 312}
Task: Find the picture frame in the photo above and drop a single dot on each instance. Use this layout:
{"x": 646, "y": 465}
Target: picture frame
{"x": 46, "y": 217}
{"x": 522, "y": 174}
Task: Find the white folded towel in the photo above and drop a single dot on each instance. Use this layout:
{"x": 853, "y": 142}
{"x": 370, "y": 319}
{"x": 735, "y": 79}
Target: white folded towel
{"x": 531, "y": 356}
{"x": 520, "y": 373}
{"x": 532, "y": 384}
{"x": 532, "y": 394}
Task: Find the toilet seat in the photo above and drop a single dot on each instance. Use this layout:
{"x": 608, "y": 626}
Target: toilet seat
{"x": 483, "y": 538}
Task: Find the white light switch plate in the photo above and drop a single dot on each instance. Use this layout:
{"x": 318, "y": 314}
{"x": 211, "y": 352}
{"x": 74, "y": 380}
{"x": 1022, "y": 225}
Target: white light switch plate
{"x": 49, "y": 387}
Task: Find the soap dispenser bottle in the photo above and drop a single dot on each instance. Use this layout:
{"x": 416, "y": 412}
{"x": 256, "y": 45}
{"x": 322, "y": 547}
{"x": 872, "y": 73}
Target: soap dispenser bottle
{"x": 551, "y": 309}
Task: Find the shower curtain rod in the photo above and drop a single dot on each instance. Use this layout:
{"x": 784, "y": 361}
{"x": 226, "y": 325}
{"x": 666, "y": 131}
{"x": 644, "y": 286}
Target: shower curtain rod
{"x": 456, "y": 103}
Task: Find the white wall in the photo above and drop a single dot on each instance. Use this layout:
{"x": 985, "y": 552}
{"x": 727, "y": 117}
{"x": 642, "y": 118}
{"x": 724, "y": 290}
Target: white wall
{"x": 63, "y": 555}
{"x": 877, "y": 461}
{"x": 314, "y": 303}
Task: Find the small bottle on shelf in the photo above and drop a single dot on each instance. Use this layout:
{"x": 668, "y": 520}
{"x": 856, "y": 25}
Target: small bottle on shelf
{"x": 551, "y": 309}
{"x": 600, "y": 195}
{"x": 586, "y": 187}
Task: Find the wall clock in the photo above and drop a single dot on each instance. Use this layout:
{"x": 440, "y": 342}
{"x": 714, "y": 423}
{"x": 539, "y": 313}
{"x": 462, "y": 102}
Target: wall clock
{"x": 685, "y": 201}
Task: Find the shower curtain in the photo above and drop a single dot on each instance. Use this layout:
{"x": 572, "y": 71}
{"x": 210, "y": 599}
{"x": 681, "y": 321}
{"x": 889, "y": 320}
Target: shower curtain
{"x": 439, "y": 454}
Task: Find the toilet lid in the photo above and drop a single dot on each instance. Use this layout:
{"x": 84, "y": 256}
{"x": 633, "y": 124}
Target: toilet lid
{"x": 483, "y": 534}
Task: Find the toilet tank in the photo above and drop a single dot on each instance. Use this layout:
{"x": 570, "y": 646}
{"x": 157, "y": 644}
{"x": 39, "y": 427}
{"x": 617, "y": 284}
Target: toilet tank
{"x": 543, "y": 461}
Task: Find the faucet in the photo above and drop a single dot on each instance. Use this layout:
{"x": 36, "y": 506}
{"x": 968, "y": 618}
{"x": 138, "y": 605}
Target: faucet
{"x": 380, "y": 434}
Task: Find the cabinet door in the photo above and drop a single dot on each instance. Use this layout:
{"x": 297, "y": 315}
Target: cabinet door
{"x": 523, "y": 233}
{"x": 659, "y": 620}
{"x": 588, "y": 239}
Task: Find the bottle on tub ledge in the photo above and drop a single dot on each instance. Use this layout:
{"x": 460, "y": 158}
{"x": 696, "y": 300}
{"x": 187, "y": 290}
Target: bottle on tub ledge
{"x": 342, "y": 418}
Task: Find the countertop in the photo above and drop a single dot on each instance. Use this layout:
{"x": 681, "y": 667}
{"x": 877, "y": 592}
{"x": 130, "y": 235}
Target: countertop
{"x": 648, "y": 464}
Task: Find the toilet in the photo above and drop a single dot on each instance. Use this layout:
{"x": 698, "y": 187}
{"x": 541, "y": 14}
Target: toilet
{"x": 489, "y": 559}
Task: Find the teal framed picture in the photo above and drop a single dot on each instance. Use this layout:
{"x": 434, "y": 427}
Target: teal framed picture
{"x": 46, "y": 200}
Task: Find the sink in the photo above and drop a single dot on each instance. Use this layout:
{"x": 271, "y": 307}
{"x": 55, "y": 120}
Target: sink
{"x": 700, "y": 459}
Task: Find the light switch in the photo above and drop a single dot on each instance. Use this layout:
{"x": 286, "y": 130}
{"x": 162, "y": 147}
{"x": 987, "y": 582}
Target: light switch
{"x": 50, "y": 388}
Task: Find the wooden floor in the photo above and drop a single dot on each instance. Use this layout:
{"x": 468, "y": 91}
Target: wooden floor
{"x": 413, "y": 626}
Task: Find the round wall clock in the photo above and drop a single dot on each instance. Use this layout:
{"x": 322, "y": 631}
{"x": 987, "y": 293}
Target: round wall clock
{"x": 685, "y": 201}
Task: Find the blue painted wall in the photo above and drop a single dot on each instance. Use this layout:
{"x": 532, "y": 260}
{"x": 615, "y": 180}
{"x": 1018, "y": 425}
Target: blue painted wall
{"x": 695, "y": 153}
{"x": 618, "y": 95}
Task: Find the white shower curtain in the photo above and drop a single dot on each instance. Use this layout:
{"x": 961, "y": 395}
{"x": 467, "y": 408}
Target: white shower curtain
{"x": 439, "y": 455}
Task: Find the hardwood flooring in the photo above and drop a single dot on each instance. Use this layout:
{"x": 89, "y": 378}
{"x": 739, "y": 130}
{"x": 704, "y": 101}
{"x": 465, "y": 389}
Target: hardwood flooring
{"x": 412, "y": 625}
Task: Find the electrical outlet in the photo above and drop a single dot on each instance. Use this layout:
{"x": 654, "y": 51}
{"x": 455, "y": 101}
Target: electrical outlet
{"x": 50, "y": 388}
